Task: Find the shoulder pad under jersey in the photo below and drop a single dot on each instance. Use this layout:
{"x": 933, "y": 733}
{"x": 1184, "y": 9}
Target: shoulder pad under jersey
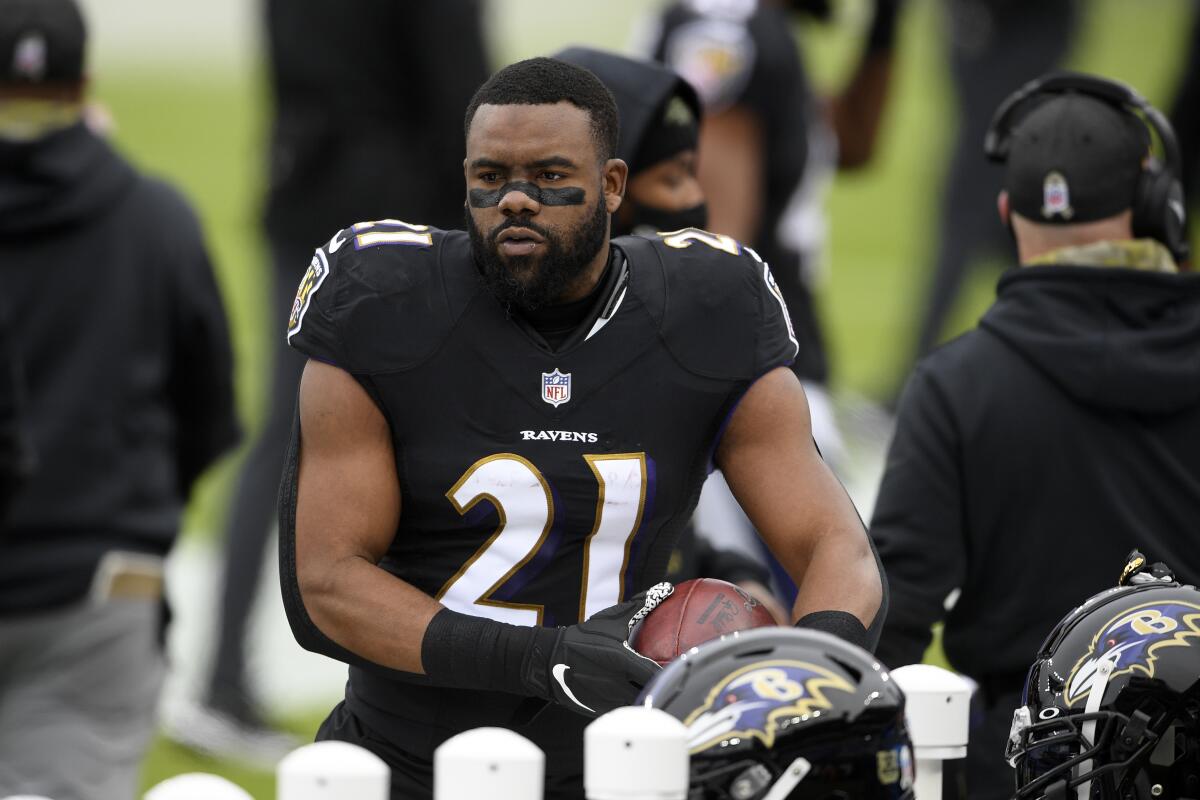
{"x": 718, "y": 309}
{"x": 374, "y": 297}
{"x": 713, "y": 50}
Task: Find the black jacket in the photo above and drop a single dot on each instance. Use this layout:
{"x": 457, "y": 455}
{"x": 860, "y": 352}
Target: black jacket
{"x": 1032, "y": 454}
{"x": 119, "y": 325}
{"x": 16, "y": 451}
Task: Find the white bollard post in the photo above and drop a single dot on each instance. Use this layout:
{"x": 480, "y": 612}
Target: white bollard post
{"x": 938, "y": 708}
{"x": 197, "y": 786}
{"x": 635, "y": 753}
{"x": 332, "y": 771}
{"x": 488, "y": 763}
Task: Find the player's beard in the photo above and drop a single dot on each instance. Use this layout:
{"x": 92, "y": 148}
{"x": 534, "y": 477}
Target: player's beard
{"x": 532, "y": 282}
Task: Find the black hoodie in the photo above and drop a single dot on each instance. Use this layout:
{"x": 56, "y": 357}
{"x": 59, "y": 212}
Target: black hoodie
{"x": 1032, "y": 454}
{"x": 117, "y": 320}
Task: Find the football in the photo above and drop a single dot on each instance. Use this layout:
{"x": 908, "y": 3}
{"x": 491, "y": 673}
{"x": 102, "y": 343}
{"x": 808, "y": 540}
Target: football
{"x": 697, "y": 611}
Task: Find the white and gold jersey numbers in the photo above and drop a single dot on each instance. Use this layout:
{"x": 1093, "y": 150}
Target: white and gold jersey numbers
{"x": 525, "y": 505}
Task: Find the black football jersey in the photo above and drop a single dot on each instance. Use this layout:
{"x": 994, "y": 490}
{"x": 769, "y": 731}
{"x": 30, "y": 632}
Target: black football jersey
{"x": 743, "y": 53}
{"x": 538, "y": 486}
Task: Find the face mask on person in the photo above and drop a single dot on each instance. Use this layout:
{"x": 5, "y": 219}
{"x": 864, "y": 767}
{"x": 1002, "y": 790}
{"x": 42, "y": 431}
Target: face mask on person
{"x": 649, "y": 220}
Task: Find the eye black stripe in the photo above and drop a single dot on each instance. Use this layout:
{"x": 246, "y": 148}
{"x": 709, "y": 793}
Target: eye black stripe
{"x": 567, "y": 196}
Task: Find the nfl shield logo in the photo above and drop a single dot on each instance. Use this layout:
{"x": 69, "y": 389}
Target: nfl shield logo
{"x": 556, "y": 387}
{"x": 29, "y": 57}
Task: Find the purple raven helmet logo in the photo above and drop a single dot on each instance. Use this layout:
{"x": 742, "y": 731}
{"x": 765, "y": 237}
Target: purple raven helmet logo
{"x": 1131, "y": 640}
{"x": 754, "y": 701}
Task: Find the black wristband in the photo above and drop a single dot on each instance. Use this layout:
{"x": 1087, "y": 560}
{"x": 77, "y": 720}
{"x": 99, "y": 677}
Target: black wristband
{"x": 841, "y": 624}
{"x": 466, "y": 652}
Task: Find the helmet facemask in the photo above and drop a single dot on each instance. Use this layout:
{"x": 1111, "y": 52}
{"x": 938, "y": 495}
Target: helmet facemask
{"x": 1150, "y": 753}
{"x": 845, "y": 762}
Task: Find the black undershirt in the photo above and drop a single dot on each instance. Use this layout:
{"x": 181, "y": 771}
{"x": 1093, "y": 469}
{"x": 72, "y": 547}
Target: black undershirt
{"x": 556, "y": 323}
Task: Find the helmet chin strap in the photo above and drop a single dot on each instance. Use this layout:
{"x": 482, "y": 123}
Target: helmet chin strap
{"x": 1104, "y": 671}
{"x": 791, "y": 776}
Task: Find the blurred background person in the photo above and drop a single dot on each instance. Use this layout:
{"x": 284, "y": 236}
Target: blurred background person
{"x": 116, "y": 318}
{"x": 1033, "y": 453}
{"x": 773, "y": 146}
{"x": 994, "y": 45}
{"x": 363, "y": 129}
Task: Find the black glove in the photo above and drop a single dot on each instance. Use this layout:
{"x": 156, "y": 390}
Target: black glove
{"x": 590, "y": 667}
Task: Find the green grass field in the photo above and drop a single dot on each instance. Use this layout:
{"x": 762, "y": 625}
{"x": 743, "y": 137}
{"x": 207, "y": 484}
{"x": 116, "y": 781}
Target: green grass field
{"x": 204, "y": 131}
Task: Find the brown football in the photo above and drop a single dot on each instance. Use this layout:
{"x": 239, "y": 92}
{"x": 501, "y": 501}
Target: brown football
{"x": 697, "y": 611}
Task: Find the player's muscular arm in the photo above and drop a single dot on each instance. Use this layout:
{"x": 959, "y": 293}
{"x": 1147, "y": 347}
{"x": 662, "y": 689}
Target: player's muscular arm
{"x": 799, "y": 508}
{"x": 857, "y": 112}
{"x": 347, "y": 510}
{"x": 731, "y": 171}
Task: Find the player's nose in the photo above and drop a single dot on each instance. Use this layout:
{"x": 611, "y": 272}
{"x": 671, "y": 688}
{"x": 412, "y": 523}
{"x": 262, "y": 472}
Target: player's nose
{"x": 515, "y": 202}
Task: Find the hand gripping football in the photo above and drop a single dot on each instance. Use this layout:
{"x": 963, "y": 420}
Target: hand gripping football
{"x": 697, "y": 611}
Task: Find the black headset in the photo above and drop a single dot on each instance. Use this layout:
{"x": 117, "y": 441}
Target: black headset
{"x": 1157, "y": 203}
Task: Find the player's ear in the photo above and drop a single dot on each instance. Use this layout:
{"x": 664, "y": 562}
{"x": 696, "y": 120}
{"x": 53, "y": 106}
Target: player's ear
{"x": 1003, "y": 209}
{"x": 616, "y": 172}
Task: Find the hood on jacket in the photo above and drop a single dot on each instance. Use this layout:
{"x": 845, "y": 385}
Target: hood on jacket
{"x": 1113, "y": 338}
{"x": 641, "y": 88}
{"x": 58, "y": 180}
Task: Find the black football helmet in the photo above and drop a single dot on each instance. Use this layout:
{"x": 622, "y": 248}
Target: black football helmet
{"x": 784, "y": 713}
{"x": 1111, "y": 707}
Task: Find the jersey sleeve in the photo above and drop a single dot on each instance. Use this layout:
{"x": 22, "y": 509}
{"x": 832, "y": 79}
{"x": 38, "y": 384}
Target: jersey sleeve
{"x": 372, "y": 298}
{"x": 723, "y": 315}
{"x": 716, "y": 56}
{"x": 776, "y": 344}
{"x": 312, "y": 324}
{"x": 732, "y": 59}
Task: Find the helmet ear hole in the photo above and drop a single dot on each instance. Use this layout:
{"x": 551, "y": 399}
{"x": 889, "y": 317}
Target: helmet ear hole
{"x": 854, "y": 671}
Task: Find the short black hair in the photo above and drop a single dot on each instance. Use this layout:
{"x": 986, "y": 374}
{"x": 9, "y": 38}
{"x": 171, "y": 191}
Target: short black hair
{"x": 545, "y": 81}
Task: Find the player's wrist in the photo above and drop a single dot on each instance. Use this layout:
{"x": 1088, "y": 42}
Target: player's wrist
{"x": 841, "y": 624}
{"x": 468, "y": 652}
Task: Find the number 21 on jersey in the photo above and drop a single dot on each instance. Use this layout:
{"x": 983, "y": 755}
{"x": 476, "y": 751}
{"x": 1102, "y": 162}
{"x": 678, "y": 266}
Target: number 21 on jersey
{"x": 525, "y": 504}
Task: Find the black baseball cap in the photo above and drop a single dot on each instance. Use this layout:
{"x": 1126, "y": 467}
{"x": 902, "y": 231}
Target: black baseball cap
{"x": 1074, "y": 158}
{"x": 41, "y": 42}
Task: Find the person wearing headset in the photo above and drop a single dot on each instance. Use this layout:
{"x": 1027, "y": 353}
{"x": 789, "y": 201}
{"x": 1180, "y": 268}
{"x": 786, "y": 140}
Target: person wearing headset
{"x": 1033, "y": 452}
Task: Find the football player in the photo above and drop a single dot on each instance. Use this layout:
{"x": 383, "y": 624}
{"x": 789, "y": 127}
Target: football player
{"x": 501, "y": 432}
